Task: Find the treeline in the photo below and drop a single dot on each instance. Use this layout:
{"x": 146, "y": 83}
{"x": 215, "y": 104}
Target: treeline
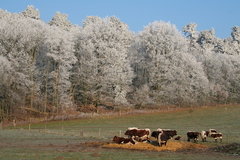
{"x": 57, "y": 66}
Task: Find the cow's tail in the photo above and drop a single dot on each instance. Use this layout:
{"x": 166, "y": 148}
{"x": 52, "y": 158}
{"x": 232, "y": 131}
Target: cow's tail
{"x": 149, "y": 133}
{"x": 159, "y": 139}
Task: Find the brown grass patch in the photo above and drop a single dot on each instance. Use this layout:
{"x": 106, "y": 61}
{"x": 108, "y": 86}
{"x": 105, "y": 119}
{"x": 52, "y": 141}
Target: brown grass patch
{"x": 171, "y": 146}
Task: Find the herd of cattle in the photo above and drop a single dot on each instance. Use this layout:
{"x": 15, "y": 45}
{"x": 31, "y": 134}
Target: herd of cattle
{"x": 163, "y": 135}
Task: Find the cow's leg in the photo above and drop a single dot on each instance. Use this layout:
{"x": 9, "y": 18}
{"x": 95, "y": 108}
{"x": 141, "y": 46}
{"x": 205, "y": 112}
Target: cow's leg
{"x": 215, "y": 139}
{"x": 159, "y": 143}
{"x": 137, "y": 138}
{"x": 204, "y": 139}
{"x": 221, "y": 139}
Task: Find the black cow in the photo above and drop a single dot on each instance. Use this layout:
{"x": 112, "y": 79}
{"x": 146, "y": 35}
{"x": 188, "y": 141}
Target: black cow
{"x": 155, "y": 134}
{"x": 192, "y": 135}
{"x": 170, "y": 132}
{"x": 162, "y": 136}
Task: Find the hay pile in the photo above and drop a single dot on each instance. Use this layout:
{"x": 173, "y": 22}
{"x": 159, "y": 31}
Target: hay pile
{"x": 171, "y": 146}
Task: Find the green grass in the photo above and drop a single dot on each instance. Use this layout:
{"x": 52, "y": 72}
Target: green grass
{"x": 223, "y": 119}
{"x": 16, "y": 143}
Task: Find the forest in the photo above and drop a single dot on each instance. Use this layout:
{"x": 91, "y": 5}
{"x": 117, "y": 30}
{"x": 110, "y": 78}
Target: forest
{"x": 57, "y": 66}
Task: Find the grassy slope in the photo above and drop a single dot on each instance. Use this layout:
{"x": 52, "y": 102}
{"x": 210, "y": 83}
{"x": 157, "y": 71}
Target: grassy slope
{"x": 223, "y": 119}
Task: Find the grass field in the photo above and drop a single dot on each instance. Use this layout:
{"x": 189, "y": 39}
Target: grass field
{"x": 72, "y": 139}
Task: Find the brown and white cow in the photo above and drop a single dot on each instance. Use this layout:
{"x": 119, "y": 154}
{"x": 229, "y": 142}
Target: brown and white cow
{"x": 141, "y": 135}
{"x": 122, "y": 140}
{"x": 211, "y": 131}
{"x": 192, "y": 135}
{"x": 216, "y": 136}
{"x": 204, "y": 135}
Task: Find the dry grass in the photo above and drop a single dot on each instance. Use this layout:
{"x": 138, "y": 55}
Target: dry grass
{"x": 171, "y": 146}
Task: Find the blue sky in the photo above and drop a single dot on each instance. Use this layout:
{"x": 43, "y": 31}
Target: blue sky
{"x": 222, "y": 15}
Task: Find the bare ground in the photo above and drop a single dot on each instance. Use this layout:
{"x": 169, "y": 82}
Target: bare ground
{"x": 230, "y": 151}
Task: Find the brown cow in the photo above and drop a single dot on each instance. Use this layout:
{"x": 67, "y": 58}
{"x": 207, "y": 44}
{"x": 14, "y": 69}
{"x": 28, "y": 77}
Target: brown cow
{"x": 170, "y": 132}
{"x": 192, "y": 135}
{"x": 140, "y": 135}
{"x": 177, "y": 138}
{"x": 122, "y": 140}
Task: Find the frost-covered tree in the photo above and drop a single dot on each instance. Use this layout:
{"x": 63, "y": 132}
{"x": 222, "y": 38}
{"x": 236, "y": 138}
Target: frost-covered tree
{"x": 61, "y": 20}
{"x": 199, "y": 42}
{"x": 142, "y": 96}
{"x": 173, "y": 74}
{"x": 236, "y": 34}
{"x": 155, "y": 43}
{"x": 31, "y": 13}
{"x": 20, "y": 41}
{"x": 230, "y": 47}
{"x": 207, "y": 39}
{"x": 57, "y": 68}
{"x": 233, "y": 47}
{"x": 222, "y": 71}
{"x": 103, "y": 67}
{"x": 59, "y": 64}
{"x": 7, "y": 98}
{"x": 191, "y": 33}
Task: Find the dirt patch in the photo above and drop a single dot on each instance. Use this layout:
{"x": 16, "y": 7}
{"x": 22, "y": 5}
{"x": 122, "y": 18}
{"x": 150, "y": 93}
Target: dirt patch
{"x": 96, "y": 144}
{"x": 171, "y": 146}
{"x": 61, "y": 158}
{"x": 230, "y": 149}
{"x": 95, "y": 155}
